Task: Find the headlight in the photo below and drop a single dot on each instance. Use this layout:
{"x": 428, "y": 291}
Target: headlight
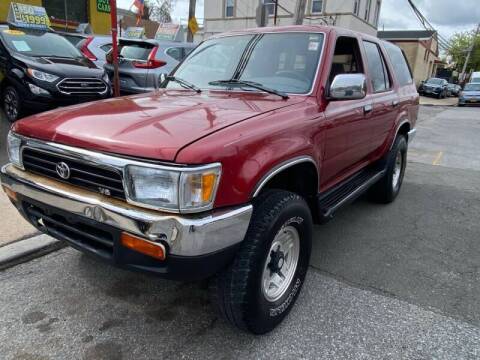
{"x": 40, "y": 75}
{"x": 182, "y": 190}
{"x": 13, "y": 147}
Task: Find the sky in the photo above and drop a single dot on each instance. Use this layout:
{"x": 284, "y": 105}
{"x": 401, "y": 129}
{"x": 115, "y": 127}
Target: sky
{"x": 447, "y": 16}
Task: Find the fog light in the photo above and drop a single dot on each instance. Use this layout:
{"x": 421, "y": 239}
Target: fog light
{"x": 155, "y": 250}
{"x": 36, "y": 90}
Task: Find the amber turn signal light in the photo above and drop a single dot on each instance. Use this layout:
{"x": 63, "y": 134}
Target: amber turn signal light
{"x": 155, "y": 250}
{"x": 10, "y": 193}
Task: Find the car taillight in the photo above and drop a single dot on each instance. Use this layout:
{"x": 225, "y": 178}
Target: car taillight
{"x": 86, "y": 52}
{"x": 151, "y": 62}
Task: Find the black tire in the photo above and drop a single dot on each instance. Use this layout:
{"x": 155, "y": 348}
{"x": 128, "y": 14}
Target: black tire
{"x": 11, "y": 103}
{"x": 237, "y": 292}
{"x": 386, "y": 190}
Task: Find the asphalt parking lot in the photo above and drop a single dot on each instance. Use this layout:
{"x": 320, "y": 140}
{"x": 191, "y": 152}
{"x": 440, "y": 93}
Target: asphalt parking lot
{"x": 397, "y": 281}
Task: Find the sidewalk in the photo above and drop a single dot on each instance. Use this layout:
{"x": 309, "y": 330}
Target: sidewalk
{"x": 449, "y": 101}
{"x": 14, "y": 226}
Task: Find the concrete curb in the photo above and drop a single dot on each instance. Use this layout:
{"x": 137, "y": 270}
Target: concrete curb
{"x": 28, "y": 249}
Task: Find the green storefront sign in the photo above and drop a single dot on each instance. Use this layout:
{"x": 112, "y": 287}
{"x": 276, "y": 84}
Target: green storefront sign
{"x": 103, "y": 6}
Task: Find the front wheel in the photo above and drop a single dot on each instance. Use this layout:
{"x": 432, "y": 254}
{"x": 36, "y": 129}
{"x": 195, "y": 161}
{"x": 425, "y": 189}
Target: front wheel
{"x": 11, "y": 103}
{"x": 260, "y": 287}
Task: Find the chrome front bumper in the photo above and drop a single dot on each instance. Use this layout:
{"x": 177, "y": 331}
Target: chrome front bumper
{"x": 186, "y": 235}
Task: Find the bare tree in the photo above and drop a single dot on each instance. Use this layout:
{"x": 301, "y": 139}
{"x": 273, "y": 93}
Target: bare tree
{"x": 159, "y": 10}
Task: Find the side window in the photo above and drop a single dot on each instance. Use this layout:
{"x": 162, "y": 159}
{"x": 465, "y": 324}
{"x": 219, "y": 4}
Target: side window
{"x": 347, "y": 58}
{"x": 175, "y": 53}
{"x": 377, "y": 69}
{"x": 400, "y": 64}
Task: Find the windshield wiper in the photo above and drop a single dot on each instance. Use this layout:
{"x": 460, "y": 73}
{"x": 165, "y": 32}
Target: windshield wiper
{"x": 184, "y": 83}
{"x": 252, "y": 84}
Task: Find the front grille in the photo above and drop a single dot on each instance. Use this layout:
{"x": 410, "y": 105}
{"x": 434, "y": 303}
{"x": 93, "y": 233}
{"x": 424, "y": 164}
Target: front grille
{"x": 82, "y": 86}
{"x": 77, "y": 232}
{"x": 102, "y": 180}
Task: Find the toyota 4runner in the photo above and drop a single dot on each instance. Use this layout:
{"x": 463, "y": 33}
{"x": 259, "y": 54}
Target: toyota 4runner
{"x": 222, "y": 172}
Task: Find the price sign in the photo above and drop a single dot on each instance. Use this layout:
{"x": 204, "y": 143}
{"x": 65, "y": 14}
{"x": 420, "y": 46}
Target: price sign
{"x": 28, "y": 16}
{"x": 167, "y": 31}
{"x": 134, "y": 32}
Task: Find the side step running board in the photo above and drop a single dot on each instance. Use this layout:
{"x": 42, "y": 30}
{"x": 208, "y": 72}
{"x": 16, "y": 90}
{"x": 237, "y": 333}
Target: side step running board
{"x": 346, "y": 192}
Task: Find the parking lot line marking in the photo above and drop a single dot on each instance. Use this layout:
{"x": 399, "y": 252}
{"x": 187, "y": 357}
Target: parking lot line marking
{"x": 438, "y": 158}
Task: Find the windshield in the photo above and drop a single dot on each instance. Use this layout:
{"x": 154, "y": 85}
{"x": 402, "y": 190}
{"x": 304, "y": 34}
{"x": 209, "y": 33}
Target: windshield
{"x": 284, "y": 62}
{"x": 472, "y": 87}
{"x": 39, "y": 43}
{"x": 435, "y": 81}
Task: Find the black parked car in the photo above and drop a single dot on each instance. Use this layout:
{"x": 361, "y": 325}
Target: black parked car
{"x": 434, "y": 87}
{"x": 40, "y": 70}
{"x": 454, "y": 89}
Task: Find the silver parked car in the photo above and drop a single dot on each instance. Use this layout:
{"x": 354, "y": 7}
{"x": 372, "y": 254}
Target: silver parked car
{"x": 95, "y": 48}
{"x": 141, "y": 62}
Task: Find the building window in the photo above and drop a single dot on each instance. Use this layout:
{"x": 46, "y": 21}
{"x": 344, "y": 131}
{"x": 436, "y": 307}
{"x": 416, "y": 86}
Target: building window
{"x": 356, "y": 7}
{"x": 75, "y": 11}
{"x": 317, "y": 6}
{"x": 229, "y": 6}
{"x": 269, "y": 6}
{"x": 367, "y": 10}
{"x": 377, "y": 12}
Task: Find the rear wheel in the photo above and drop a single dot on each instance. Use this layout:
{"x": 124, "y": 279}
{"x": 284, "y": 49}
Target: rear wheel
{"x": 386, "y": 190}
{"x": 11, "y": 103}
{"x": 260, "y": 287}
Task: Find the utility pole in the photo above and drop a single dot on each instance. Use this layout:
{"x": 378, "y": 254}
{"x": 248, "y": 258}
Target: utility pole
{"x": 191, "y": 14}
{"x": 299, "y": 12}
{"x": 275, "y": 13}
{"x": 470, "y": 52}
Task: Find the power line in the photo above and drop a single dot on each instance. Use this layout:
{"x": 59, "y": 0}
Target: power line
{"x": 442, "y": 42}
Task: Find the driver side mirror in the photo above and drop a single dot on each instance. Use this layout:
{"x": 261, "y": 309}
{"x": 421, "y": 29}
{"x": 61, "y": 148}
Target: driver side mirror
{"x": 348, "y": 87}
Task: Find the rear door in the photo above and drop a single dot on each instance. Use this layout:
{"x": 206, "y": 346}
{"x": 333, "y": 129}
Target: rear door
{"x": 385, "y": 100}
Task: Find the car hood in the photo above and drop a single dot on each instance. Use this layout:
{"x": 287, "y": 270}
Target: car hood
{"x": 154, "y": 125}
{"x": 471, "y": 93}
{"x": 62, "y": 67}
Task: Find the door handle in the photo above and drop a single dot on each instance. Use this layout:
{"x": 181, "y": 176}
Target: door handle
{"x": 395, "y": 103}
{"x": 367, "y": 109}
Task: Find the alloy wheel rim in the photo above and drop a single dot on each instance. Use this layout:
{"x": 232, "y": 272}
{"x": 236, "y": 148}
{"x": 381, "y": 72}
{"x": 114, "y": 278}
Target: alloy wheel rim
{"x": 11, "y": 105}
{"x": 281, "y": 263}
{"x": 397, "y": 170}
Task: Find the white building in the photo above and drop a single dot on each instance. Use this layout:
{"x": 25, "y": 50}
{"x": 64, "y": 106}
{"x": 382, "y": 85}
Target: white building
{"x": 226, "y": 15}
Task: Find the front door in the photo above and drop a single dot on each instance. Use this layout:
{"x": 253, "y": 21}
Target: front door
{"x": 349, "y": 122}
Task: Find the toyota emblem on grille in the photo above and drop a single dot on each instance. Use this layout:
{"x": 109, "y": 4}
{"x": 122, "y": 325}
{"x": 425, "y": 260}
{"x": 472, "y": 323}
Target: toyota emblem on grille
{"x": 83, "y": 84}
{"x": 63, "y": 170}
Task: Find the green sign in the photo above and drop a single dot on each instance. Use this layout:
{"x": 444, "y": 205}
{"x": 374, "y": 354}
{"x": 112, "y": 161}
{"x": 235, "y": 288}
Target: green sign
{"x": 28, "y": 16}
{"x": 103, "y": 6}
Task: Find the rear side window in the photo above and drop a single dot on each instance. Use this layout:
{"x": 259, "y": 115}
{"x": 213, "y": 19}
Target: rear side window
{"x": 400, "y": 64}
{"x": 377, "y": 69}
{"x": 106, "y": 48}
{"x": 136, "y": 51}
{"x": 176, "y": 53}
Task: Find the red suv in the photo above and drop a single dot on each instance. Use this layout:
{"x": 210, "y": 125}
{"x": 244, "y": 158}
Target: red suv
{"x": 222, "y": 172}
